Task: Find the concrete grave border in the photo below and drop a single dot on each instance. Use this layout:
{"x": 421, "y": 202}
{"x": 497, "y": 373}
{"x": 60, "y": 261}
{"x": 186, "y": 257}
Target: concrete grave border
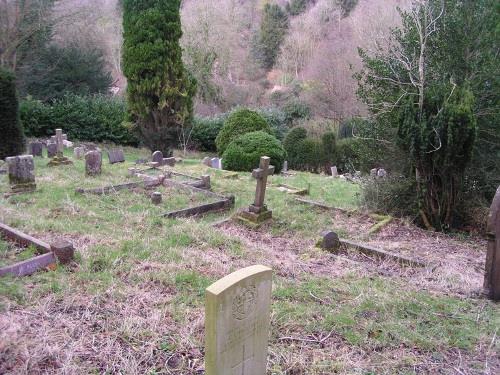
{"x": 294, "y": 190}
{"x": 61, "y": 251}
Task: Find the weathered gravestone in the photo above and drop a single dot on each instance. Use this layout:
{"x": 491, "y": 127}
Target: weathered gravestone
{"x": 156, "y": 197}
{"x": 285, "y": 167}
{"x": 157, "y": 157}
{"x": 116, "y": 156}
{"x": 36, "y": 148}
{"x": 492, "y": 271}
{"x": 335, "y": 172}
{"x": 381, "y": 173}
{"x": 59, "y": 158}
{"x": 93, "y": 163}
{"x": 216, "y": 163}
{"x": 21, "y": 173}
{"x": 258, "y": 212}
{"x": 207, "y": 161}
{"x": 79, "y": 152}
{"x": 329, "y": 241}
{"x": 373, "y": 172}
{"x": 237, "y": 320}
{"x": 51, "y": 149}
{"x": 169, "y": 161}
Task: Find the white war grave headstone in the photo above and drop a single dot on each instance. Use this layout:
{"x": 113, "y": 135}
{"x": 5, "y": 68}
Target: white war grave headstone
{"x": 237, "y": 320}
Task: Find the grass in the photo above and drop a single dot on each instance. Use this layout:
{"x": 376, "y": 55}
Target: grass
{"x": 133, "y": 301}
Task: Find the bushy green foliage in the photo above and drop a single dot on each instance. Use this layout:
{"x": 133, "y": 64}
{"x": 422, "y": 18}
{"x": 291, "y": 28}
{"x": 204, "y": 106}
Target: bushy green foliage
{"x": 239, "y": 122}
{"x": 296, "y": 7}
{"x": 160, "y": 91}
{"x": 296, "y": 110}
{"x": 303, "y": 153}
{"x": 277, "y": 120}
{"x": 244, "y": 153}
{"x": 291, "y": 142}
{"x": 12, "y": 142}
{"x": 329, "y": 143}
{"x": 96, "y": 118}
{"x": 205, "y": 131}
{"x": 273, "y": 28}
{"x": 56, "y": 71}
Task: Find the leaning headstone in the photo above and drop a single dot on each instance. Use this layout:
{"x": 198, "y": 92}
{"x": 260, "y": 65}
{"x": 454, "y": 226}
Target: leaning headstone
{"x": 207, "y": 161}
{"x": 169, "y": 161}
{"x": 51, "y": 149}
{"x": 258, "y": 212}
{"x": 79, "y": 152}
{"x": 93, "y": 163}
{"x": 116, "y": 156}
{"x": 381, "y": 173}
{"x": 36, "y": 148}
{"x": 492, "y": 271}
{"x": 335, "y": 172}
{"x": 329, "y": 241}
{"x": 21, "y": 173}
{"x": 237, "y": 322}
{"x": 157, "y": 157}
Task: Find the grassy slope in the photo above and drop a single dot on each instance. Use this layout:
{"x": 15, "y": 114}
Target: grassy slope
{"x": 134, "y": 300}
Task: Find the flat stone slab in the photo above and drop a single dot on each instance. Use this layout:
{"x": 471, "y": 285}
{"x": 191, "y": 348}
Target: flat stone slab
{"x": 202, "y": 209}
{"x": 23, "y": 239}
{"x": 110, "y": 189}
{"x": 237, "y": 321}
{"x": 29, "y": 266}
{"x": 293, "y": 190}
{"x": 383, "y": 254}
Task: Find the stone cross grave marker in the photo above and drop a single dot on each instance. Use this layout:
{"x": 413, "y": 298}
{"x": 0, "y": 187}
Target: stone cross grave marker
{"x": 36, "y": 148}
{"x": 59, "y": 158}
{"x": 93, "y": 163}
{"x": 21, "y": 173}
{"x": 237, "y": 320}
{"x": 116, "y": 156}
{"x": 59, "y": 142}
{"x": 492, "y": 271}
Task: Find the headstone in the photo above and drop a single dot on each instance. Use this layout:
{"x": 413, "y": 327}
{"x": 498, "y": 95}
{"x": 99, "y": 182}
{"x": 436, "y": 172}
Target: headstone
{"x": 63, "y": 250}
{"x": 335, "y": 172}
{"x": 373, "y": 172}
{"x": 21, "y": 173}
{"x": 381, "y": 173}
{"x": 492, "y": 270}
{"x": 258, "y": 212}
{"x": 51, "y": 149}
{"x": 206, "y": 181}
{"x": 93, "y": 163}
{"x": 329, "y": 241}
{"x": 116, "y": 156}
{"x": 157, "y": 157}
{"x": 285, "y": 166}
{"x": 237, "y": 322}
{"x": 36, "y": 148}
{"x": 59, "y": 141}
{"x": 216, "y": 163}
{"x": 79, "y": 152}
{"x": 169, "y": 161}
{"x": 207, "y": 161}
{"x": 156, "y": 197}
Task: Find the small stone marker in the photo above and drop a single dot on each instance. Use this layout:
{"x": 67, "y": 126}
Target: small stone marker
{"x": 285, "y": 167}
{"x": 329, "y": 241}
{"x": 59, "y": 141}
{"x": 492, "y": 271}
{"x": 206, "y": 181}
{"x": 237, "y": 320}
{"x": 63, "y": 250}
{"x": 116, "y": 156}
{"x": 373, "y": 172}
{"x": 216, "y": 163}
{"x": 51, "y": 149}
{"x": 93, "y": 163}
{"x": 36, "y": 148}
{"x": 335, "y": 172}
{"x": 21, "y": 173}
{"x": 157, "y": 157}
{"x": 207, "y": 161}
{"x": 169, "y": 161}
{"x": 79, "y": 152}
{"x": 258, "y": 212}
{"x": 156, "y": 197}
{"x": 381, "y": 173}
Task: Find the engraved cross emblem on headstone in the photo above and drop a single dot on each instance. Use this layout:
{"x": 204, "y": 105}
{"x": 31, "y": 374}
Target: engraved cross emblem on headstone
{"x": 261, "y": 174}
{"x": 244, "y": 361}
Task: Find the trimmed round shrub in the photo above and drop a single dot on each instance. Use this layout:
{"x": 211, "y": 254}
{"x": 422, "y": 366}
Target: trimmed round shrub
{"x": 12, "y": 143}
{"x": 243, "y": 154}
{"x": 238, "y": 123}
{"x": 205, "y": 130}
{"x": 292, "y": 140}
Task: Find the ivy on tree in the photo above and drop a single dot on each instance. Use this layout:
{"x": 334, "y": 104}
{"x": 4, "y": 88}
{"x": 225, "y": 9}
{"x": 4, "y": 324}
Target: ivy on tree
{"x": 160, "y": 90}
